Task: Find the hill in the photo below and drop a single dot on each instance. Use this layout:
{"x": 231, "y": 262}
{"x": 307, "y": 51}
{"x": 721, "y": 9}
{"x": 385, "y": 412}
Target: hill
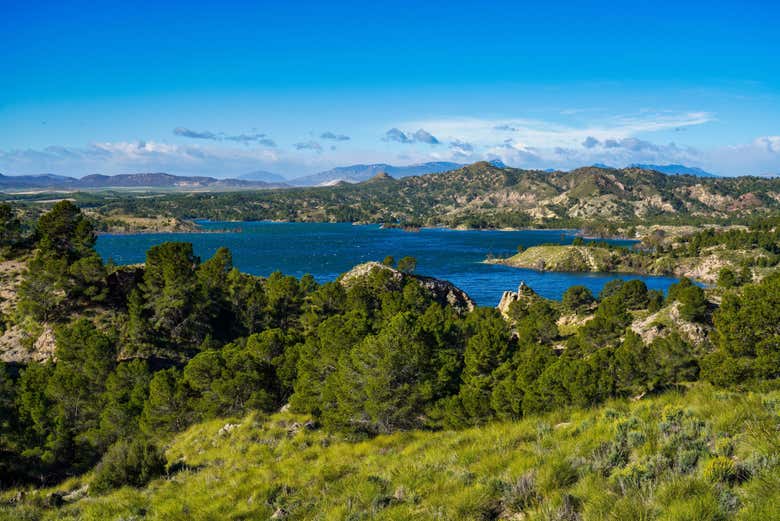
{"x": 576, "y": 259}
{"x": 674, "y": 169}
{"x": 700, "y": 454}
{"x": 483, "y": 195}
{"x": 36, "y": 181}
{"x": 185, "y": 389}
{"x": 705, "y": 266}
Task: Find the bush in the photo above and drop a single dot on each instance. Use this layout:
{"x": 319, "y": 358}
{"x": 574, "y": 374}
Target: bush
{"x": 133, "y": 463}
{"x": 693, "y": 302}
{"x": 558, "y": 473}
{"x": 578, "y": 299}
{"x": 407, "y": 264}
{"x": 721, "y": 470}
{"x": 727, "y": 278}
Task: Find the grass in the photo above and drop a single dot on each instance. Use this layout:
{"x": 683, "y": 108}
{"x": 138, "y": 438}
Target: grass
{"x": 569, "y": 258}
{"x": 702, "y": 455}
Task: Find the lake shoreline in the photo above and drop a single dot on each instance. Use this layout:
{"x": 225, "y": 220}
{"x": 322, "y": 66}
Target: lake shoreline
{"x": 199, "y": 229}
{"x": 327, "y": 250}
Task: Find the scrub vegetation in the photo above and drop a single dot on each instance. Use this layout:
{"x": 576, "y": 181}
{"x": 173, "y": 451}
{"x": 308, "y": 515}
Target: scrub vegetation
{"x": 185, "y": 389}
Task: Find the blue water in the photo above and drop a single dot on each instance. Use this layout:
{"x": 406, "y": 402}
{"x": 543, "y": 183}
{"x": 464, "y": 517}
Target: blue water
{"x": 327, "y": 250}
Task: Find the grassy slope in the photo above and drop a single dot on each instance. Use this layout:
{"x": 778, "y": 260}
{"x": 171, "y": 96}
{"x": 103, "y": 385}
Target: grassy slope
{"x": 563, "y": 258}
{"x": 266, "y": 464}
{"x": 585, "y": 259}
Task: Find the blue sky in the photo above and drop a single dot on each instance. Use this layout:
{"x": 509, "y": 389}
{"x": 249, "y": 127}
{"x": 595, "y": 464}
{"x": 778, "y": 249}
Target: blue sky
{"x": 296, "y": 87}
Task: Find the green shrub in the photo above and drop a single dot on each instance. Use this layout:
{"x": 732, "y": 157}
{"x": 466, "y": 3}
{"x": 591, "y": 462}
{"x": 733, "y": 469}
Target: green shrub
{"x": 557, "y": 474}
{"x": 724, "y": 447}
{"x": 721, "y": 469}
{"x": 637, "y": 474}
{"x": 578, "y": 299}
{"x": 610, "y": 455}
{"x": 695, "y": 508}
{"x": 133, "y": 463}
{"x": 686, "y": 460}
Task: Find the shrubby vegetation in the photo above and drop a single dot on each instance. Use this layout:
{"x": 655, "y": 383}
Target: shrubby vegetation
{"x": 739, "y": 255}
{"x": 704, "y": 454}
{"x": 143, "y": 354}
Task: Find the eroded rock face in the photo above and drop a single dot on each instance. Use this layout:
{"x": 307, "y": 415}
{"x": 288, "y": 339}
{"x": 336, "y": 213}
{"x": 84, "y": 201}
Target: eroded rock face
{"x": 524, "y": 292}
{"x": 443, "y": 292}
{"x": 14, "y": 344}
{"x": 11, "y": 273}
{"x": 667, "y": 320}
{"x": 18, "y": 345}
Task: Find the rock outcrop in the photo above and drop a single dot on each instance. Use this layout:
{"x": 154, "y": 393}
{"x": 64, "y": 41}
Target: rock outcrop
{"x": 666, "y": 320}
{"x": 524, "y": 292}
{"x": 442, "y": 291}
{"x": 17, "y": 346}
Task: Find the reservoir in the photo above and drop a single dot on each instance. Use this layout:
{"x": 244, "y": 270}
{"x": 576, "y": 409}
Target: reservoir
{"x": 325, "y": 250}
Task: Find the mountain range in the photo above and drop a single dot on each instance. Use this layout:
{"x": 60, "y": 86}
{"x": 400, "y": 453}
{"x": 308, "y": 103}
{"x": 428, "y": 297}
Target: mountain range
{"x": 264, "y": 176}
{"x": 263, "y": 179}
{"x": 483, "y": 195}
{"x": 142, "y": 180}
{"x": 256, "y": 179}
{"x": 674, "y": 169}
{"x": 360, "y": 173}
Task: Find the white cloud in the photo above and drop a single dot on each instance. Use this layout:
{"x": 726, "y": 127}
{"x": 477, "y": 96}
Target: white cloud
{"x": 617, "y": 140}
{"x": 420, "y": 136}
{"x": 771, "y": 143}
{"x": 759, "y": 157}
{"x": 548, "y": 134}
{"x": 141, "y": 156}
{"x": 308, "y": 145}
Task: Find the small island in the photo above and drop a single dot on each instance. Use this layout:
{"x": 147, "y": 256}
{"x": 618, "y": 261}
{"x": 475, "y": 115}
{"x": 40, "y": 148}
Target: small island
{"x": 707, "y": 256}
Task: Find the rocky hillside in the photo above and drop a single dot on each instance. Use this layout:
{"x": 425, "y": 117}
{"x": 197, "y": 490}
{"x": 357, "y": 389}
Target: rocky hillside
{"x": 484, "y": 195}
{"x": 704, "y": 267}
{"x": 359, "y": 173}
{"x": 572, "y": 259}
{"x": 442, "y": 291}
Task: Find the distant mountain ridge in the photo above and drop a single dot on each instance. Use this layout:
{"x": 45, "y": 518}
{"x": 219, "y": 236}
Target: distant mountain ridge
{"x": 264, "y": 176}
{"x": 36, "y": 181}
{"x": 141, "y": 180}
{"x": 256, "y": 179}
{"x": 363, "y": 172}
{"x": 674, "y": 169}
{"x": 351, "y": 174}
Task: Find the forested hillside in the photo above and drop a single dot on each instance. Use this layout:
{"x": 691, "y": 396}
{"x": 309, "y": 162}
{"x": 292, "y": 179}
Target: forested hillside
{"x": 483, "y": 195}
{"x": 141, "y": 354}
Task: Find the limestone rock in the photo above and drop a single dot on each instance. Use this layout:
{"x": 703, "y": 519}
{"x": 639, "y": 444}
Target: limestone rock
{"x": 442, "y": 291}
{"x": 666, "y": 320}
{"x": 15, "y": 345}
{"x": 227, "y": 429}
{"x": 524, "y": 292}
